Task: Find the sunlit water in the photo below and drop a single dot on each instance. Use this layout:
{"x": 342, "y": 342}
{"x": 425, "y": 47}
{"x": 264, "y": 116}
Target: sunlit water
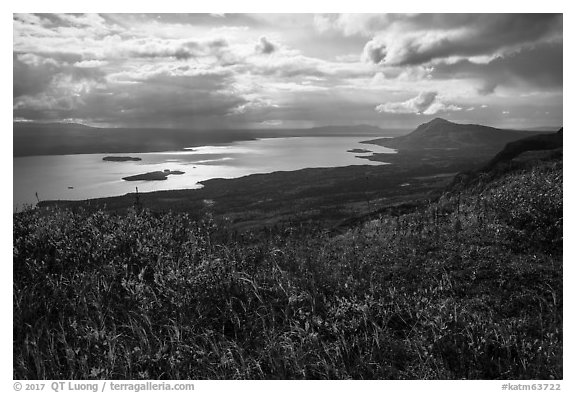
{"x": 85, "y": 176}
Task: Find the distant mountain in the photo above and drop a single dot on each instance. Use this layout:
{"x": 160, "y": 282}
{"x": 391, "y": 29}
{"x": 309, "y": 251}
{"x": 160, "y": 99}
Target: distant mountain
{"x": 444, "y": 135}
{"x": 361, "y": 129}
{"x": 69, "y": 138}
{"x": 30, "y": 129}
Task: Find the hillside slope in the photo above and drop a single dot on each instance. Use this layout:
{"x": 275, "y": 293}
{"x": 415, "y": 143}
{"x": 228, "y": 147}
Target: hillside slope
{"x": 529, "y": 144}
{"x": 469, "y": 286}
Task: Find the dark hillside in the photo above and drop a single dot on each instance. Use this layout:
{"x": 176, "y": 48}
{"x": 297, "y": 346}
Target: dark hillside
{"x": 532, "y": 143}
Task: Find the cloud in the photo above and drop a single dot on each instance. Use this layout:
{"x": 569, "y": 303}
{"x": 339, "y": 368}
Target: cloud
{"x": 31, "y": 19}
{"x": 90, "y": 63}
{"x": 374, "y": 52}
{"x": 265, "y": 47}
{"x": 125, "y": 78}
{"x": 287, "y": 63}
{"x": 271, "y": 123}
{"x": 84, "y": 20}
{"x": 536, "y": 67}
{"x": 488, "y": 51}
{"x": 254, "y": 104}
{"x": 180, "y": 49}
{"x": 353, "y": 24}
{"x": 425, "y": 103}
{"x": 163, "y": 100}
{"x": 93, "y": 37}
{"x": 204, "y": 71}
{"x": 34, "y": 74}
{"x": 412, "y": 40}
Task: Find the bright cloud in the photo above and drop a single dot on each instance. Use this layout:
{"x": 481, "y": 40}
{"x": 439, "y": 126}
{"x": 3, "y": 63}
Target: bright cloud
{"x": 425, "y": 103}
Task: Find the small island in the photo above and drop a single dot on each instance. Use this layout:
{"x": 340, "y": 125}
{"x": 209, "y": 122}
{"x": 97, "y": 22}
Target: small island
{"x": 149, "y": 176}
{"x": 359, "y": 151}
{"x": 121, "y": 158}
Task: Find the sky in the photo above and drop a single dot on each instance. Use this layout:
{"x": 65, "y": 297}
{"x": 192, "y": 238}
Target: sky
{"x": 227, "y": 71}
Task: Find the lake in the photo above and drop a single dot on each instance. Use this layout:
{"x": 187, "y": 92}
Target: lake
{"x": 85, "y": 176}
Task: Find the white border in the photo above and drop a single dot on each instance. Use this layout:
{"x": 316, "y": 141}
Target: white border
{"x": 263, "y": 6}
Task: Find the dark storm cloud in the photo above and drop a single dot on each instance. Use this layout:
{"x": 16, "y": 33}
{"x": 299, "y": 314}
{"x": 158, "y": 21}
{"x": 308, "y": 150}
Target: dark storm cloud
{"x": 539, "y": 67}
{"x": 423, "y": 38}
{"x": 30, "y": 78}
{"x": 34, "y": 73}
{"x": 163, "y": 99}
{"x": 166, "y": 98}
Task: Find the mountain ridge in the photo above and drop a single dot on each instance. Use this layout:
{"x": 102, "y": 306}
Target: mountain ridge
{"x": 446, "y": 135}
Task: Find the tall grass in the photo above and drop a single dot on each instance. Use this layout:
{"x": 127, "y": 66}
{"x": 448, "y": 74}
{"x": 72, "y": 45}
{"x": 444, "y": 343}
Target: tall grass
{"x": 469, "y": 286}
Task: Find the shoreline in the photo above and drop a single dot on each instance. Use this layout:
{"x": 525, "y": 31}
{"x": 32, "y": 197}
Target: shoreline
{"x": 326, "y": 195}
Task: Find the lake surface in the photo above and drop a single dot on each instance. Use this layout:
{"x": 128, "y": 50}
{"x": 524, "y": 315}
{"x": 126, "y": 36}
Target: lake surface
{"x": 85, "y": 176}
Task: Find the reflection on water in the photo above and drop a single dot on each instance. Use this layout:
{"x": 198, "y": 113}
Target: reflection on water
{"x": 84, "y": 176}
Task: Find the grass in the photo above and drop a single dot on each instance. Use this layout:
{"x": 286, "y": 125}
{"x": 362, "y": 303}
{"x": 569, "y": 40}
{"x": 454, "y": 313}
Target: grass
{"x": 469, "y": 286}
